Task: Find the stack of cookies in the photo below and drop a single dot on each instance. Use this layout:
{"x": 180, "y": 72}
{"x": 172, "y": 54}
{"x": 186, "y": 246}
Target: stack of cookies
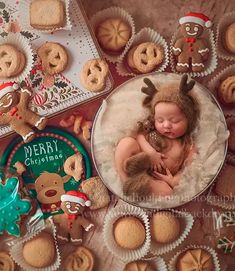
{"x": 12, "y": 61}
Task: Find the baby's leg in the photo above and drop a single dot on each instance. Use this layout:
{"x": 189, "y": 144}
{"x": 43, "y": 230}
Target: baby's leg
{"x": 160, "y": 188}
{"x": 127, "y": 147}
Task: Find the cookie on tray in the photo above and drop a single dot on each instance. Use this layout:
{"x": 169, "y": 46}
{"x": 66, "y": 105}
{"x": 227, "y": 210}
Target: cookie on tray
{"x": 47, "y": 14}
{"x": 12, "y": 61}
{"x": 53, "y": 56}
{"x": 93, "y": 74}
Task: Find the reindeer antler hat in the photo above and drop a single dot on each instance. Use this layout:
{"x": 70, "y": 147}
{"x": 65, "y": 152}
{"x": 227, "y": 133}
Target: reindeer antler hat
{"x": 174, "y": 93}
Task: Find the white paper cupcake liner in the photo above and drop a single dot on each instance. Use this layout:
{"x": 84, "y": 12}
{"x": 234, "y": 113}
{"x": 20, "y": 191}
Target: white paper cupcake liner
{"x": 114, "y": 12}
{"x": 144, "y": 35}
{"x": 224, "y": 22}
{"x": 16, "y": 251}
{"x": 214, "y": 83}
{"x": 21, "y": 43}
{"x": 186, "y": 224}
{"x": 172, "y": 264}
{"x": 126, "y": 255}
{"x": 24, "y": 17}
{"x": 158, "y": 263}
{"x": 210, "y": 64}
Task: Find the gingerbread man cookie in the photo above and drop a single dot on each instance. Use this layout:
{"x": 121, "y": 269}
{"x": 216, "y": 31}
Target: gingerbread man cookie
{"x": 12, "y": 207}
{"x": 191, "y": 51}
{"x": 14, "y": 111}
{"x": 71, "y": 223}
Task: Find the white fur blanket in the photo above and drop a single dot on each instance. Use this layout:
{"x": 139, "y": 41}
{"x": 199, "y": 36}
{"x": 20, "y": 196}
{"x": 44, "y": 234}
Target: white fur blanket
{"x": 117, "y": 118}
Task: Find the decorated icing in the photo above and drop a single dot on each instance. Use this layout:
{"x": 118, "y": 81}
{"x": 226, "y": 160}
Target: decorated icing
{"x": 11, "y": 207}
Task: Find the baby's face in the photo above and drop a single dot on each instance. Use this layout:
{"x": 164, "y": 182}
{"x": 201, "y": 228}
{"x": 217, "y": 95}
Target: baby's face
{"x": 170, "y": 121}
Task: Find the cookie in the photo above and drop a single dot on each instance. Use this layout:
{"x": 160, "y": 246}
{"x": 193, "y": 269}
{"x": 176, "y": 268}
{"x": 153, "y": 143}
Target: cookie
{"x": 225, "y": 185}
{"x": 53, "y": 56}
{"x": 229, "y": 39}
{"x": 139, "y": 266}
{"x": 10, "y": 60}
{"x": 97, "y": 192}
{"x": 226, "y": 91}
{"x": 130, "y": 61}
{"x": 147, "y": 56}
{"x": 81, "y": 259}
{"x": 15, "y": 111}
{"x": 113, "y": 34}
{"x": 12, "y": 208}
{"x": 40, "y": 251}
{"x": 73, "y": 166}
{"x": 230, "y": 120}
{"x": 47, "y": 14}
{"x": 129, "y": 232}
{"x": 93, "y": 74}
{"x": 195, "y": 259}
{"x": 6, "y": 263}
{"x": 21, "y": 65}
{"x": 165, "y": 227}
{"x": 226, "y": 241}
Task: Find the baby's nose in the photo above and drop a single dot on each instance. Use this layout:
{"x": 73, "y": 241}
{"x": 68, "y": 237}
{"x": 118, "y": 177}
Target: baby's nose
{"x": 166, "y": 124}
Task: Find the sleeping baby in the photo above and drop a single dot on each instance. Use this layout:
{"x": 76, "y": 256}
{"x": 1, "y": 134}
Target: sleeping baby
{"x": 153, "y": 161}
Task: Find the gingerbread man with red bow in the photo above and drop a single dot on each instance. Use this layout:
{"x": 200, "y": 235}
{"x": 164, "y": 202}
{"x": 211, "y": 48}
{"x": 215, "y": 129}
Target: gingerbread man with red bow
{"x": 191, "y": 50}
{"x": 72, "y": 222}
{"x": 14, "y": 111}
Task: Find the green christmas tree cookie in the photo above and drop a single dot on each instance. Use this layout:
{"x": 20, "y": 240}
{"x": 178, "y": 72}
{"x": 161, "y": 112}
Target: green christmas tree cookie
{"x": 12, "y": 207}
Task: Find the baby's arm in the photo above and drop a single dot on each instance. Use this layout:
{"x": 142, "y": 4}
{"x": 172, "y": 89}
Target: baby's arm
{"x": 156, "y": 157}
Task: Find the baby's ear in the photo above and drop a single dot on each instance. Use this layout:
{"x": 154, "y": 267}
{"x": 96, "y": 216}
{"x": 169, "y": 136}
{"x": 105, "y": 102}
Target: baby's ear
{"x": 184, "y": 86}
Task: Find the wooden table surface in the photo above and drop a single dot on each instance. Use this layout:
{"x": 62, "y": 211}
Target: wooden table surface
{"x": 161, "y": 15}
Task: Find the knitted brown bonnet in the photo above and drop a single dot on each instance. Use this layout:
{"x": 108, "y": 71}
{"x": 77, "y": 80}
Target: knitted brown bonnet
{"x": 174, "y": 93}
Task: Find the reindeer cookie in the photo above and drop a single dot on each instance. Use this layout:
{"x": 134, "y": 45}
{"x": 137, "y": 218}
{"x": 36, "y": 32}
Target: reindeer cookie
{"x": 191, "y": 51}
{"x": 71, "y": 223}
{"x": 14, "y": 111}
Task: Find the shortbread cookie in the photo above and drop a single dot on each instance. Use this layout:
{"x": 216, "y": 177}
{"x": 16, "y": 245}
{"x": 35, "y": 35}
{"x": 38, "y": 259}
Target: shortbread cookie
{"x": 9, "y": 60}
{"x": 73, "y": 166}
{"x": 230, "y": 38}
{"x": 113, "y": 34}
{"x": 226, "y": 90}
{"x": 6, "y": 263}
{"x": 195, "y": 259}
{"x": 22, "y": 64}
{"x": 225, "y": 185}
{"x": 93, "y": 74}
{"x": 53, "y": 56}
{"x": 139, "y": 266}
{"x": 40, "y": 251}
{"x": 47, "y": 14}
{"x": 147, "y": 56}
{"x": 130, "y": 60}
{"x": 81, "y": 259}
{"x": 97, "y": 192}
{"x": 129, "y": 232}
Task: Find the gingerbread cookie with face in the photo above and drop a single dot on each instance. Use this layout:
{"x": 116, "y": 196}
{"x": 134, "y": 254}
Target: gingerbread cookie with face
{"x": 71, "y": 223}
{"x": 190, "y": 50}
{"x": 14, "y": 111}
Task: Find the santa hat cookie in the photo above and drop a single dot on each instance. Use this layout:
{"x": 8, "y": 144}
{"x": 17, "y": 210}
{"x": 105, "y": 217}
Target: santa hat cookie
{"x": 7, "y": 88}
{"x": 198, "y": 18}
{"x": 76, "y": 196}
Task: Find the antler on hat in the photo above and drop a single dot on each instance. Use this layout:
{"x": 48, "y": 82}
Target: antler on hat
{"x": 184, "y": 86}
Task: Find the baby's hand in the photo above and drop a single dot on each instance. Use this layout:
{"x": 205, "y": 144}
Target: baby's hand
{"x": 157, "y": 162}
{"x": 168, "y": 177}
